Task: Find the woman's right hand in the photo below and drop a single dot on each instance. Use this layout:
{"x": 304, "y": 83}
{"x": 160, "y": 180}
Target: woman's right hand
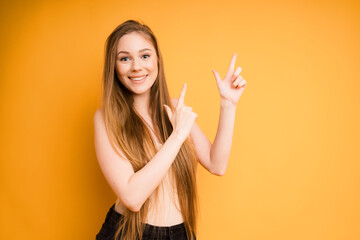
{"x": 182, "y": 119}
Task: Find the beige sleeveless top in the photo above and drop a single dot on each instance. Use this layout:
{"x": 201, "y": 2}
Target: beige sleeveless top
{"x": 166, "y": 210}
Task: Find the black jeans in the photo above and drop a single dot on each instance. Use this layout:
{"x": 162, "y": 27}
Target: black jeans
{"x": 108, "y": 229}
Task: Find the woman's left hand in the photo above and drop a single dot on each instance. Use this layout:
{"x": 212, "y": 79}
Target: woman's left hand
{"x": 233, "y": 85}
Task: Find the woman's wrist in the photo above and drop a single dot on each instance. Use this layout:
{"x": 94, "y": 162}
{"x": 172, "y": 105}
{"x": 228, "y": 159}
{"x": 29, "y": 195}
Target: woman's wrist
{"x": 227, "y": 104}
{"x": 177, "y": 137}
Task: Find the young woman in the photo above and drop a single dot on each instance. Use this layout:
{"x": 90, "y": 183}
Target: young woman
{"x": 148, "y": 145}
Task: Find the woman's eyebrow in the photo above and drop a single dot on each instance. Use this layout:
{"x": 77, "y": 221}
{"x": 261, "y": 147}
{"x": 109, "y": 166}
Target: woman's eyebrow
{"x": 139, "y": 51}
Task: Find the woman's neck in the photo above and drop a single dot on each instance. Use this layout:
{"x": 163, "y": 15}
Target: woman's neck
{"x": 141, "y": 104}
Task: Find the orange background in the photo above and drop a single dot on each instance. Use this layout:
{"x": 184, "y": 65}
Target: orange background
{"x": 294, "y": 166}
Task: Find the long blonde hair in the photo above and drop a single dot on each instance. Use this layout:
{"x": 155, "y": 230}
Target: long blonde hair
{"x": 128, "y": 131}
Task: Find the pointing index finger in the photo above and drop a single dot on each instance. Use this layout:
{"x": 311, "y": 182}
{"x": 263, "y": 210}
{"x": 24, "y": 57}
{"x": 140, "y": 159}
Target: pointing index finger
{"x": 232, "y": 66}
{"x": 182, "y": 96}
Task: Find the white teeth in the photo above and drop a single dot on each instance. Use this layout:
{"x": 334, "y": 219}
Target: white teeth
{"x": 138, "y": 79}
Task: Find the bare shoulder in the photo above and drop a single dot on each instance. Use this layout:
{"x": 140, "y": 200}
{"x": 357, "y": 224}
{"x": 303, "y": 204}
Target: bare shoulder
{"x": 101, "y": 133}
{"x": 99, "y": 122}
{"x": 98, "y": 116}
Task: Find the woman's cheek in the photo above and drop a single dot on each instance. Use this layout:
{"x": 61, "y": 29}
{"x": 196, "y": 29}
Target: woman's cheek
{"x": 122, "y": 70}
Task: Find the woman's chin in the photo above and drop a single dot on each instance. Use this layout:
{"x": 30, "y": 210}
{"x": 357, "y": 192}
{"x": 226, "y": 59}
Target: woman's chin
{"x": 139, "y": 92}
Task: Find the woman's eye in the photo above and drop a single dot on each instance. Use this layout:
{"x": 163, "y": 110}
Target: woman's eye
{"x": 146, "y": 56}
{"x": 124, "y": 59}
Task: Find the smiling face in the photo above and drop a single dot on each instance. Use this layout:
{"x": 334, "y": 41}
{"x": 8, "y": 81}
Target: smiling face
{"x": 136, "y": 63}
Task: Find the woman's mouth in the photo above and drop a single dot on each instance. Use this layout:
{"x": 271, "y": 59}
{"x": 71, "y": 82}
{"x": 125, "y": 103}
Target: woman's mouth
{"x": 138, "y": 79}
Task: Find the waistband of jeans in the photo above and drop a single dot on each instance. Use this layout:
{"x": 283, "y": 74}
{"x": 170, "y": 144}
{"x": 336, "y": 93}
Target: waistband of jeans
{"x": 115, "y": 216}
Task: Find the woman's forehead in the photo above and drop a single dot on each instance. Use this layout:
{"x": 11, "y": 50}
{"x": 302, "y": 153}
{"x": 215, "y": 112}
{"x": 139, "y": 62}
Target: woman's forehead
{"x": 134, "y": 42}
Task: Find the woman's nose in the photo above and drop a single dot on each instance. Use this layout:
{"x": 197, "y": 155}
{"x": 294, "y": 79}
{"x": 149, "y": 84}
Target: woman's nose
{"x": 136, "y": 65}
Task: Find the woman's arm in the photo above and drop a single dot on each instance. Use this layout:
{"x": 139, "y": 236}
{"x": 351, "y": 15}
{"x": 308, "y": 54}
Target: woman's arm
{"x": 220, "y": 149}
{"x": 214, "y": 157}
{"x": 134, "y": 188}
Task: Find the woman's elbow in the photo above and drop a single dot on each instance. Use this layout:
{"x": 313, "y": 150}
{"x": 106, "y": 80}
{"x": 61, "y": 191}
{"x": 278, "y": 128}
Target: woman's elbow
{"x": 219, "y": 172}
{"x": 134, "y": 208}
{"x": 132, "y": 204}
